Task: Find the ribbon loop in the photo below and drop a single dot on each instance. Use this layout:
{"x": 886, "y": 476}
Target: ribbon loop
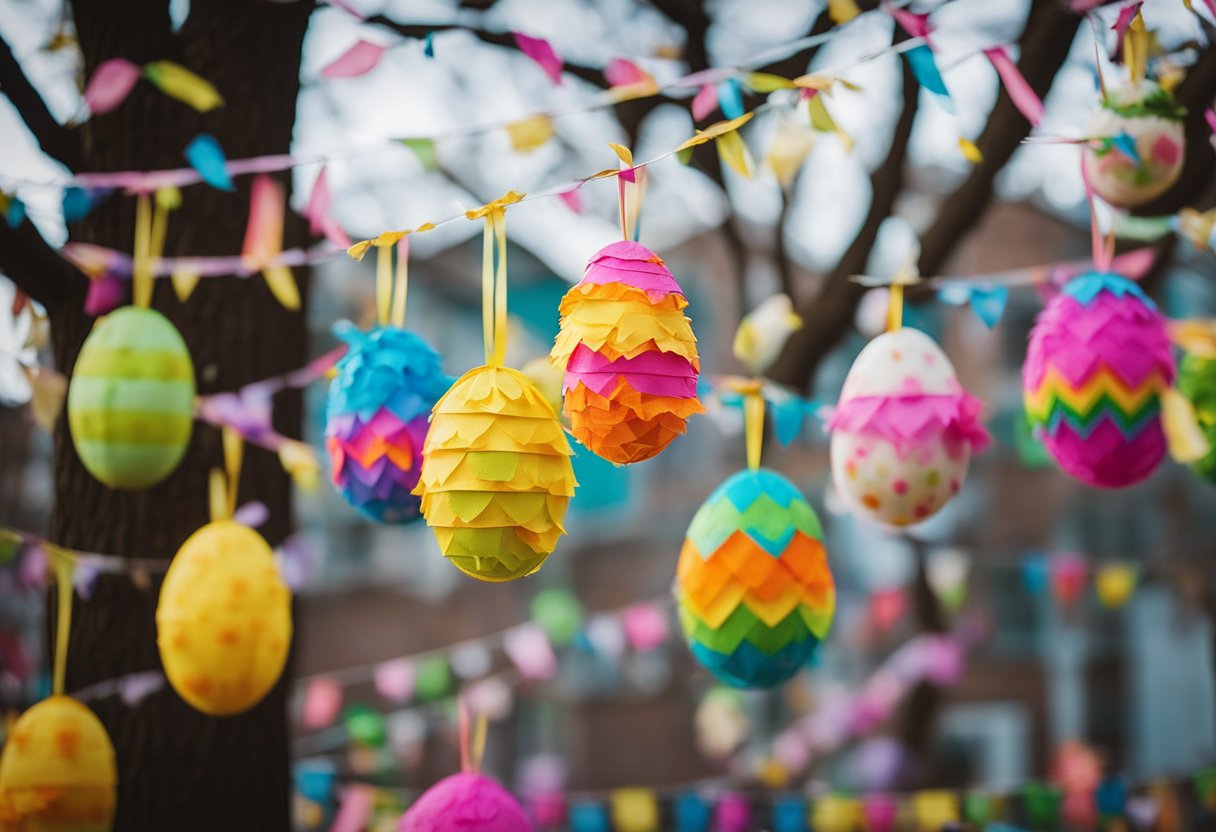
{"x": 494, "y": 276}
{"x": 141, "y": 267}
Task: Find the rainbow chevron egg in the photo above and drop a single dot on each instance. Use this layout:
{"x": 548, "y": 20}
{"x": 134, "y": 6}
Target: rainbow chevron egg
{"x": 1099, "y": 360}
{"x": 376, "y": 419}
{"x": 628, "y": 354}
{"x": 496, "y": 476}
{"x": 753, "y": 586}
{"x": 131, "y": 399}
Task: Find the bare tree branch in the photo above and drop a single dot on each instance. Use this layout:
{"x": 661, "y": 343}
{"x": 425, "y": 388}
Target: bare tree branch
{"x": 56, "y": 141}
{"x": 31, "y": 263}
{"x": 504, "y": 39}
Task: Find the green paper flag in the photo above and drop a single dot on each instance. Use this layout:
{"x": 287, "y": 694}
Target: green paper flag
{"x": 364, "y": 726}
{"x": 559, "y": 614}
{"x": 1041, "y": 805}
{"x": 424, "y": 149}
{"x": 434, "y": 678}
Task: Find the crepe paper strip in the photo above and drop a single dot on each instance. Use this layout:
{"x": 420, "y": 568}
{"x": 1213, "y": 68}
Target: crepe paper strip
{"x": 539, "y": 50}
{"x": 1020, "y": 92}
{"x": 428, "y": 45}
{"x": 322, "y": 702}
{"x": 842, "y": 11}
{"x": 730, "y": 98}
{"x": 791, "y": 145}
{"x": 110, "y": 84}
{"x": 923, "y": 64}
{"x": 175, "y": 81}
{"x": 359, "y": 59}
{"x": 970, "y": 151}
{"x": 530, "y": 133}
{"x": 207, "y": 157}
{"x": 530, "y": 650}
{"x": 645, "y": 626}
{"x": 635, "y": 809}
{"x": 355, "y": 809}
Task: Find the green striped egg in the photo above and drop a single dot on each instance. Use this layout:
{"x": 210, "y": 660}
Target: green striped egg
{"x": 131, "y": 399}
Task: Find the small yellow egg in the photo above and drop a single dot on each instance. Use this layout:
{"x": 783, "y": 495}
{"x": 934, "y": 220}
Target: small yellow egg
{"x": 57, "y": 773}
{"x": 224, "y": 619}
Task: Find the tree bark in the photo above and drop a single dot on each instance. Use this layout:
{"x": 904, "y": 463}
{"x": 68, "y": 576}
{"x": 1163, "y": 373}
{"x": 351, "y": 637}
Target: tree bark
{"x": 179, "y": 769}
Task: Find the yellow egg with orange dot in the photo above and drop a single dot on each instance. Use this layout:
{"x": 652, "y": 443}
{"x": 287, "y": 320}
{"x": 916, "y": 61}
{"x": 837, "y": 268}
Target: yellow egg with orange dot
{"x": 223, "y": 621}
{"x": 57, "y": 773}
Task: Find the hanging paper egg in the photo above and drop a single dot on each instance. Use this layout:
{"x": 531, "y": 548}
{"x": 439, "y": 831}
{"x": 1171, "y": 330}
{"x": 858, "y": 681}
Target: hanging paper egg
{"x": 1099, "y": 360}
{"x": 629, "y": 355}
{"x": 57, "y": 773}
{"x": 903, "y": 431}
{"x": 753, "y": 586}
{"x": 466, "y": 801}
{"x": 131, "y": 399}
{"x": 376, "y": 419}
{"x": 1137, "y": 144}
{"x": 1197, "y": 382}
{"x": 496, "y": 476}
{"x": 223, "y": 621}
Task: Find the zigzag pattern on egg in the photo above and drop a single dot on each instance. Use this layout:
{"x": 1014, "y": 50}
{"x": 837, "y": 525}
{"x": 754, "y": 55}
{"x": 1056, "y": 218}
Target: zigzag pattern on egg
{"x": 629, "y": 355}
{"x": 1098, "y": 363}
{"x": 755, "y": 593}
{"x": 496, "y": 476}
{"x": 376, "y": 419}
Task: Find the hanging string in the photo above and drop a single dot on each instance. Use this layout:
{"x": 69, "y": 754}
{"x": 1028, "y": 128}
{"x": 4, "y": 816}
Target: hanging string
{"x": 401, "y": 285}
{"x": 224, "y": 482}
{"x": 64, "y": 565}
{"x": 639, "y": 193}
{"x": 472, "y": 739}
{"x": 1102, "y": 251}
{"x": 494, "y": 276}
{"x": 141, "y": 266}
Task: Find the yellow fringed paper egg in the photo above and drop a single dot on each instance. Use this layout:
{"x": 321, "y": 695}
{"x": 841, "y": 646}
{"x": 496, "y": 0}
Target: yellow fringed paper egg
{"x": 903, "y": 431}
{"x": 57, "y": 773}
{"x": 131, "y": 399}
{"x": 496, "y": 475}
{"x": 224, "y": 619}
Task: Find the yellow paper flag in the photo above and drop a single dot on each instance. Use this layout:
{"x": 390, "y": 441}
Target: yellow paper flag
{"x": 791, "y": 144}
{"x": 842, "y": 11}
{"x": 184, "y": 280}
{"x": 715, "y": 130}
{"x": 1135, "y": 49}
{"x": 635, "y": 810}
{"x": 175, "y": 81}
{"x": 835, "y": 813}
{"x": 1186, "y": 438}
{"x": 530, "y": 133}
{"x": 1115, "y": 583}
{"x": 934, "y": 809}
{"x": 970, "y": 152}
{"x": 733, "y": 152}
{"x": 822, "y": 121}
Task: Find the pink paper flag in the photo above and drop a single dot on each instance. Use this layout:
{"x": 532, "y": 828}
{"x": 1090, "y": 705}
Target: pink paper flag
{"x": 1023, "y": 97}
{"x": 622, "y": 73}
{"x": 704, "y": 102}
{"x": 317, "y": 212}
{"x": 264, "y": 233}
{"x": 572, "y": 199}
{"x": 360, "y": 59}
{"x": 645, "y": 626}
{"x": 395, "y": 680}
{"x": 539, "y": 50}
{"x": 110, "y": 85}
{"x": 1124, "y": 21}
{"x": 356, "y": 809}
{"x": 322, "y": 701}
{"x": 529, "y": 649}
{"x": 916, "y": 25}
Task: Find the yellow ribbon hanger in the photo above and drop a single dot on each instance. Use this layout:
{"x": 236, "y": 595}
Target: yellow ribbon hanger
{"x": 225, "y": 482}
{"x": 751, "y": 389}
{"x": 907, "y": 275}
{"x": 63, "y": 564}
{"x": 494, "y": 275}
{"x": 141, "y": 260}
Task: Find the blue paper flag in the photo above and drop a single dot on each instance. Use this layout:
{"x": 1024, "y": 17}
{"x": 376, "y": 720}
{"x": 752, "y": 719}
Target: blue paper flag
{"x": 315, "y": 780}
{"x": 207, "y": 157}
{"x": 76, "y": 204}
{"x": 428, "y": 46}
{"x": 1111, "y": 797}
{"x": 988, "y": 303}
{"x": 1126, "y": 145}
{"x": 15, "y": 215}
{"x": 588, "y": 817}
{"x": 730, "y": 98}
{"x": 789, "y": 417}
{"x": 1036, "y": 573}
{"x": 693, "y": 813}
{"x": 924, "y": 67}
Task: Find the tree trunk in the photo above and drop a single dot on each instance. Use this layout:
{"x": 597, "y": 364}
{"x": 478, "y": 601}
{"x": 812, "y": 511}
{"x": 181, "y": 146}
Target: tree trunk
{"x": 179, "y": 769}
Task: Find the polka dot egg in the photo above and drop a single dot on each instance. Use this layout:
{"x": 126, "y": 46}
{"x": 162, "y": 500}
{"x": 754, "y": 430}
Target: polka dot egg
{"x": 224, "y": 619}
{"x": 903, "y": 432}
{"x": 58, "y": 773}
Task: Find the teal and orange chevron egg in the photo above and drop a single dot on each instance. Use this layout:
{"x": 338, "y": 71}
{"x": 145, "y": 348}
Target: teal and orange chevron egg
{"x": 753, "y": 586}
{"x": 131, "y": 399}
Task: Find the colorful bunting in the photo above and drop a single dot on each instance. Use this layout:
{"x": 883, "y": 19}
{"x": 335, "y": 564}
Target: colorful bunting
{"x": 539, "y": 50}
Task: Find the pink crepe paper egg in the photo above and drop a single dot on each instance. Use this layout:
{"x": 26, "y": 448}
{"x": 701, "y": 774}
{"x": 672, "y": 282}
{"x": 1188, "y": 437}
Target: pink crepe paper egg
{"x": 466, "y": 803}
{"x": 903, "y": 431}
